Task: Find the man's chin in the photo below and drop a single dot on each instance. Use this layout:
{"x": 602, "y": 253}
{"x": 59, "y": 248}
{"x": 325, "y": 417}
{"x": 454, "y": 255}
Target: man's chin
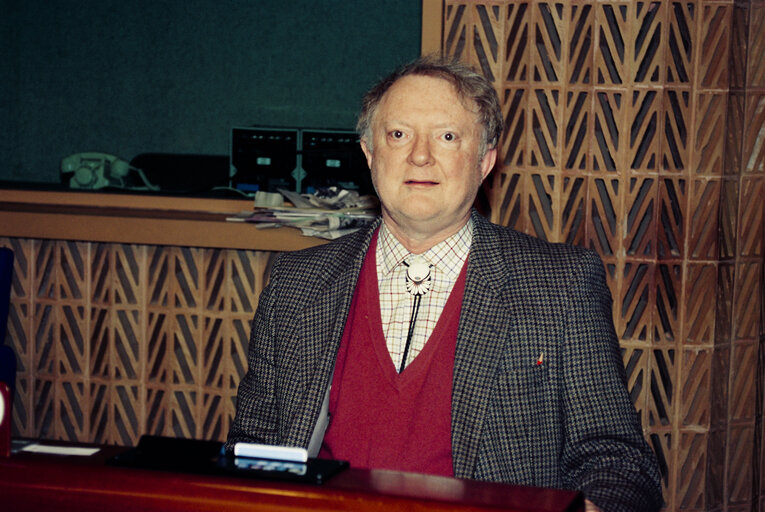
{"x": 431, "y": 221}
{"x": 421, "y": 215}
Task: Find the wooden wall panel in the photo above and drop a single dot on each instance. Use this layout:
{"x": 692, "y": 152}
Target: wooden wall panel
{"x": 636, "y": 129}
{"x": 118, "y": 340}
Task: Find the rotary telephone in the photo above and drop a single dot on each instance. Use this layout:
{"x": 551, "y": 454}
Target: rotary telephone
{"x": 99, "y": 170}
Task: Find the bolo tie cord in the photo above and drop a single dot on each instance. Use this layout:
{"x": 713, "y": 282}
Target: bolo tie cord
{"x": 412, "y": 320}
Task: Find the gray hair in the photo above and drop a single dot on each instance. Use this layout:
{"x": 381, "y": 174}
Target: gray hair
{"x": 468, "y": 83}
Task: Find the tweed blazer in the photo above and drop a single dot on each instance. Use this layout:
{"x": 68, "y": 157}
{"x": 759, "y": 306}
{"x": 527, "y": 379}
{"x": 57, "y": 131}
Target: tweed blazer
{"x": 538, "y": 392}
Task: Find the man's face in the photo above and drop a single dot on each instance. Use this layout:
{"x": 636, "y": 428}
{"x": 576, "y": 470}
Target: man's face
{"x": 424, "y": 157}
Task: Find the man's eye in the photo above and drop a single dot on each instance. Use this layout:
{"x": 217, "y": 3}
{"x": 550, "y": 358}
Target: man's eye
{"x": 449, "y": 137}
{"x": 397, "y": 134}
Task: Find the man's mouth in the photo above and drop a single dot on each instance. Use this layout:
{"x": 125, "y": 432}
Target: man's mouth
{"x": 421, "y": 182}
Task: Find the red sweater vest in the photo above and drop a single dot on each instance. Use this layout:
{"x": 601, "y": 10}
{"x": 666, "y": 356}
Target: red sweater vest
{"x": 378, "y": 417}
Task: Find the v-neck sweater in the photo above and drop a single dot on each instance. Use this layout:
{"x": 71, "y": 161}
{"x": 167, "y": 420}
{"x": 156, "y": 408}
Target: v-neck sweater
{"x": 383, "y": 419}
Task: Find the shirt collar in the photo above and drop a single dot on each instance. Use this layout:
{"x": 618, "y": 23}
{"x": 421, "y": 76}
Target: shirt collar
{"x": 448, "y": 255}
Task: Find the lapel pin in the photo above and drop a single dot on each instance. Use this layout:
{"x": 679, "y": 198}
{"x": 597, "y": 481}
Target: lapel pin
{"x": 541, "y": 358}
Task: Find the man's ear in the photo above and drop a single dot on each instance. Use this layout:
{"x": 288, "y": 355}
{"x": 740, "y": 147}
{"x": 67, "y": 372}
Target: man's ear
{"x": 487, "y": 162}
{"x": 367, "y": 152}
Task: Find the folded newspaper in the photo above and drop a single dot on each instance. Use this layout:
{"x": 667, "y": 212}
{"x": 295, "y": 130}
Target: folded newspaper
{"x": 328, "y": 213}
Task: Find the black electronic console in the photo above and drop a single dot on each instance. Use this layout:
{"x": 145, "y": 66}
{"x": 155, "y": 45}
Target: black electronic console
{"x": 207, "y": 458}
{"x": 300, "y": 160}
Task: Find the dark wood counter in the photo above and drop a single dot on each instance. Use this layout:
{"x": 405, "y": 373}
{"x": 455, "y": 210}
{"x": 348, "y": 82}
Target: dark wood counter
{"x": 68, "y": 483}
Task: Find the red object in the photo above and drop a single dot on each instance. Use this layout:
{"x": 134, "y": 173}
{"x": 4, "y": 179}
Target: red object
{"x": 380, "y": 418}
{"x": 33, "y": 482}
{"x": 6, "y": 403}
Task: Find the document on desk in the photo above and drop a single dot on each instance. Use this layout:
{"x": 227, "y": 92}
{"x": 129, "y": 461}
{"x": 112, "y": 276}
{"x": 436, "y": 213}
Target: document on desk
{"x": 60, "y": 450}
{"x": 263, "y": 451}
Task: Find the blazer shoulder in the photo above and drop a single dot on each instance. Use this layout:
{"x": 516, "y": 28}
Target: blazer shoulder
{"x": 517, "y": 263}
{"x": 515, "y": 247}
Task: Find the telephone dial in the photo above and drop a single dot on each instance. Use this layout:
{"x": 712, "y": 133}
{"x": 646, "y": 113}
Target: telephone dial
{"x": 99, "y": 170}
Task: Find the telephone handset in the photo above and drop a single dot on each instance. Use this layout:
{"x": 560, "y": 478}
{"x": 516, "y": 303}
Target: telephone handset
{"x": 99, "y": 170}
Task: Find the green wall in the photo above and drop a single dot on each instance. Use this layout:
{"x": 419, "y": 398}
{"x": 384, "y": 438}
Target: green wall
{"x": 174, "y": 76}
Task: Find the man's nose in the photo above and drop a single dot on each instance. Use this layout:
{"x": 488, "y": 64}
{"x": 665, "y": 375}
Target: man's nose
{"x": 421, "y": 152}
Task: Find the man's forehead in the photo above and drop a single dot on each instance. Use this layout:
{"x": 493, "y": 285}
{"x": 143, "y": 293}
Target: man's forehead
{"x": 421, "y": 90}
{"x": 421, "y": 83}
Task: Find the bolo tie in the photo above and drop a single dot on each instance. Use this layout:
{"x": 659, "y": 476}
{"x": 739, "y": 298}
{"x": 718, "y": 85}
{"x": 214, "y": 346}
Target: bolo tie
{"x": 418, "y": 282}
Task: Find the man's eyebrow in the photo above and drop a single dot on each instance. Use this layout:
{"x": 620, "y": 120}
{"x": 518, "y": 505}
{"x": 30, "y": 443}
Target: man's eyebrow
{"x": 394, "y": 121}
{"x": 442, "y": 126}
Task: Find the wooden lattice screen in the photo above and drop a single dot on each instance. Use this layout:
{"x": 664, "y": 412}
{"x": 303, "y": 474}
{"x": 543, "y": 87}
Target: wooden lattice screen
{"x": 637, "y": 129}
{"x": 114, "y": 340}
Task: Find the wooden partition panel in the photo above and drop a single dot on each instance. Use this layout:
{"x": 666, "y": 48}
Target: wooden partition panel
{"x": 636, "y": 129}
{"x": 117, "y": 340}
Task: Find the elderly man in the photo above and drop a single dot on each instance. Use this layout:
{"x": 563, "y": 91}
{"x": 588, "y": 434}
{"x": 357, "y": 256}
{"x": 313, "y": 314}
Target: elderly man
{"x": 436, "y": 341}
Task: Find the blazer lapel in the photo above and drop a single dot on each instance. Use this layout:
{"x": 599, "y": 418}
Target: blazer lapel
{"x": 319, "y": 328}
{"x": 485, "y": 327}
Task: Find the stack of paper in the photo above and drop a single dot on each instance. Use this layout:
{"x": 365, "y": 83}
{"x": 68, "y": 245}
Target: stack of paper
{"x": 329, "y": 213}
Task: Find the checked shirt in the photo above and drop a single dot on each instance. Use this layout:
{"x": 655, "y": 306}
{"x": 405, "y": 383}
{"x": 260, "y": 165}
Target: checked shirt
{"x": 447, "y": 258}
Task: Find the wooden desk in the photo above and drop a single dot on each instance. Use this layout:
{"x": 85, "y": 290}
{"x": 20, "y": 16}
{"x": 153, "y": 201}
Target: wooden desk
{"x": 139, "y": 219}
{"x": 67, "y": 483}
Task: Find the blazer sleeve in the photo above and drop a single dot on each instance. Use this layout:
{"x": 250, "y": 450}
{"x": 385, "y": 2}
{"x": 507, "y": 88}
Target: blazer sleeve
{"x": 256, "y": 417}
{"x": 604, "y": 454}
